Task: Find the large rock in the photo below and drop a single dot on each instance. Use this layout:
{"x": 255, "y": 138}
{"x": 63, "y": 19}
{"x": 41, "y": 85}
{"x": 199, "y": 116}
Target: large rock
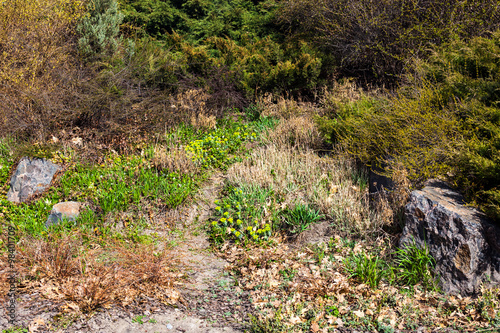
{"x": 465, "y": 245}
{"x": 32, "y": 176}
{"x": 68, "y": 210}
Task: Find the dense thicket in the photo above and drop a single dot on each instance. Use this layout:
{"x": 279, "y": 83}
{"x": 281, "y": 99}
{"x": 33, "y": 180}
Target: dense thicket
{"x": 445, "y": 122}
{"x": 379, "y": 39}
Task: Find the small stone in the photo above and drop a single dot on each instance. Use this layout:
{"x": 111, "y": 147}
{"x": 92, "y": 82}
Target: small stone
{"x": 169, "y": 327}
{"x": 68, "y": 210}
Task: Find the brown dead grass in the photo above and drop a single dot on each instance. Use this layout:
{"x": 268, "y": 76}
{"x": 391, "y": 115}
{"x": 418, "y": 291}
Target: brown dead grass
{"x": 389, "y": 205}
{"x": 193, "y": 104}
{"x": 325, "y": 182}
{"x": 173, "y": 159}
{"x": 340, "y": 93}
{"x": 283, "y": 107}
{"x": 86, "y": 275}
{"x": 298, "y": 132}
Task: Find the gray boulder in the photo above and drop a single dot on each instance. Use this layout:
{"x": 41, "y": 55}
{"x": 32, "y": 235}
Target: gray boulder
{"x": 464, "y": 243}
{"x": 68, "y": 210}
{"x": 32, "y": 176}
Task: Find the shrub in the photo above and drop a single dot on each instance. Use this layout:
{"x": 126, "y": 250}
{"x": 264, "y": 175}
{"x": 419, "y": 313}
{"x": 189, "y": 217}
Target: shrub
{"x": 36, "y": 64}
{"x": 445, "y": 123}
{"x": 379, "y": 38}
{"x": 466, "y": 74}
{"x": 99, "y": 28}
{"x": 199, "y": 20}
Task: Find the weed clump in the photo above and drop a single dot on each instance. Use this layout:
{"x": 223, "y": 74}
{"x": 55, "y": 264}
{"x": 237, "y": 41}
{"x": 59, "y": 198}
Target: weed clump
{"x": 242, "y": 216}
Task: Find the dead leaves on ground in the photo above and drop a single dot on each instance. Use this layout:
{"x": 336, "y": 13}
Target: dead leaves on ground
{"x": 301, "y": 290}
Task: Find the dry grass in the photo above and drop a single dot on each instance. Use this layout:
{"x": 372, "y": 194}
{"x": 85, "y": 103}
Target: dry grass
{"x": 298, "y": 132}
{"x": 87, "y": 276}
{"x": 325, "y": 182}
{"x": 340, "y": 93}
{"x": 283, "y": 107}
{"x": 389, "y": 205}
{"x": 192, "y": 103}
{"x": 174, "y": 159}
{"x": 203, "y": 121}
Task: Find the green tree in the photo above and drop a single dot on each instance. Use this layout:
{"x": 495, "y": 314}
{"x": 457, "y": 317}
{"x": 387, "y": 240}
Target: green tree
{"x": 99, "y": 28}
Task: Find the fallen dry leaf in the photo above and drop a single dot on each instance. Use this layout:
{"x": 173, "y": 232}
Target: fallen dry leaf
{"x": 359, "y": 314}
{"x": 35, "y": 325}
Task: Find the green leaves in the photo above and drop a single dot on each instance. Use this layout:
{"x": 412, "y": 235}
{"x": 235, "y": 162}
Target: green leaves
{"x": 367, "y": 268}
{"x": 99, "y": 28}
{"x": 299, "y": 218}
{"x": 240, "y": 215}
{"x": 414, "y": 265}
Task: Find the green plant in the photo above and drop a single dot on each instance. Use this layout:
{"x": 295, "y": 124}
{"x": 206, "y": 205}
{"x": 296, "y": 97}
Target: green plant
{"x": 267, "y": 325}
{"x": 288, "y": 274}
{"x": 239, "y": 215}
{"x": 253, "y": 112}
{"x": 138, "y": 319}
{"x": 445, "y": 122}
{"x": 215, "y": 148}
{"x": 366, "y": 268}
{"x": 15, "y": 330}
{"x": 320, "y": 251}
{"x": 384, "y": 328}
{"x": 6, "y": 162}
{"x": 128, "y": 180}
{"x": 332, "y": 310}
{"x": 414, "y": 265}
{"x": 299, "y": 218}
{"x": 99, "y": 28}
{"x": 465, "y": 73}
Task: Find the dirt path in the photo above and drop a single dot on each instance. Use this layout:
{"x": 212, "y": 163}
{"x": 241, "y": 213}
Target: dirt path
{"x": 211, "y": 302}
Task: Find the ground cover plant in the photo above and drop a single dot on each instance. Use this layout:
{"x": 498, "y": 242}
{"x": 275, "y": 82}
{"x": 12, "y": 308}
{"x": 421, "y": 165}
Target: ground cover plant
{"x": 239, "y": 215}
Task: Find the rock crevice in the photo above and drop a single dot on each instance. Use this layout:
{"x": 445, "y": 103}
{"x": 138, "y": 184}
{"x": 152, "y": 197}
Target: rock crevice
{"x": 463, "y": 242}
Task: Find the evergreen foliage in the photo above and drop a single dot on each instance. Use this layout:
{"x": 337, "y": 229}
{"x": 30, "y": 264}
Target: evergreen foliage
{"x": 467, "y": 74}
{"x": 99, "y": 28}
